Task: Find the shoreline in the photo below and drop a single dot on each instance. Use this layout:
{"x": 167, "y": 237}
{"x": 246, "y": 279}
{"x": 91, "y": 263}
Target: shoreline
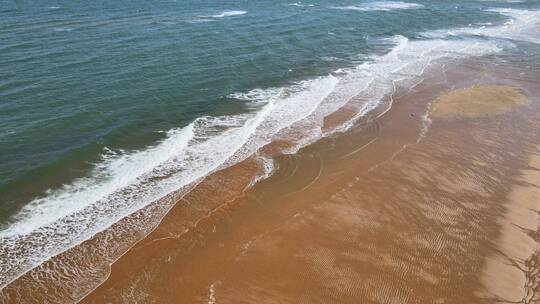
{"x": 210, "y": 228}
{"x": 316, "y": 173}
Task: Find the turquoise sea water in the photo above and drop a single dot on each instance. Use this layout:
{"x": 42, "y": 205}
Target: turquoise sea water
{"x": 106, "y": 106}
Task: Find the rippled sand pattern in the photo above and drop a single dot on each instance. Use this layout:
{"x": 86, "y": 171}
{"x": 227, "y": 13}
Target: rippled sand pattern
{"x": 518, "y": 254}
{"x": 400, "y": 209}
{"x": 413, "y": 230}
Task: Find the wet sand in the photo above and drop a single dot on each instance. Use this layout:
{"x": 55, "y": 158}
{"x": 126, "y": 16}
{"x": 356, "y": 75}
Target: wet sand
{"x": 512, "y": 274}
{"x": 406, "y": 207}
{"x": 386, "y": 213}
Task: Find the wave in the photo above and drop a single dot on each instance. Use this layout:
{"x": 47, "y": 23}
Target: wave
{"x": 380, "y": 6}
{"x": 522, "y": 25}
{"x": 210, "y": 18}
{"x": 63, "y": 29}
{"x": 504, "y": 1}
{"x": 229, "y": 14}
{"x": 124, "y": 182}
{"x": 299, "y": 4}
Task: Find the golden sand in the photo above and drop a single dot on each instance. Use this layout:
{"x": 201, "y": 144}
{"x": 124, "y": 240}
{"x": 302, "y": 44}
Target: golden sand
{"x": 395, "y": 221}
{"x": 478, "y": 101}
{"x": 512, "y": 274}
{"x": 400, "y": 209}
{"x": 509, "y": 275}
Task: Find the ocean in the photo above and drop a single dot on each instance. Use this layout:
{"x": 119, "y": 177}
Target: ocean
{"x": 109, "y": 106}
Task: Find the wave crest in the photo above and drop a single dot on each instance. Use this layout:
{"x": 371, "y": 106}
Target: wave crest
{"x": 381, "y": 6}
{"x": 229, "y": 14}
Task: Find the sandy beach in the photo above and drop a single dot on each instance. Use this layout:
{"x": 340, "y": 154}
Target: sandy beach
{"x": 405, "y": 208}
{"x": 431, "y": 199}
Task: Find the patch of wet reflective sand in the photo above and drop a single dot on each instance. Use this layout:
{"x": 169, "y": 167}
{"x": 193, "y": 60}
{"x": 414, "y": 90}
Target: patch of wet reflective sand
{"x": 478, "y": 101}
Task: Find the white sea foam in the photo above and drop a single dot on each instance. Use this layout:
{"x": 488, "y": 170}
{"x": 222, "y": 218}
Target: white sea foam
{"x": 201, "y": 19}
{"x": 124, "y": 182}
{"x": 268, "y": 167}
{"x": 522, "y": 26}
{"x": 229, "y": 14}
{"x": 63, "y": 29}
{"x": 258, "y": 95}
{"x": 299, "y": 4}
{"x": 380, "y": 6}
{"x": 503, "y": 1}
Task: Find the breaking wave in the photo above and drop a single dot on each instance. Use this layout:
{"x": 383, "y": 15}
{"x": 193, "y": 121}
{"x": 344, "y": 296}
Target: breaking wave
{"x": 380, "y": 6}
{"x": 229, "y": 14}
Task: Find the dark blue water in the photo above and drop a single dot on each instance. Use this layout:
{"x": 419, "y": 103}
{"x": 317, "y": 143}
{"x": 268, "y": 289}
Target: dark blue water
{"x": 98, "y": 98}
